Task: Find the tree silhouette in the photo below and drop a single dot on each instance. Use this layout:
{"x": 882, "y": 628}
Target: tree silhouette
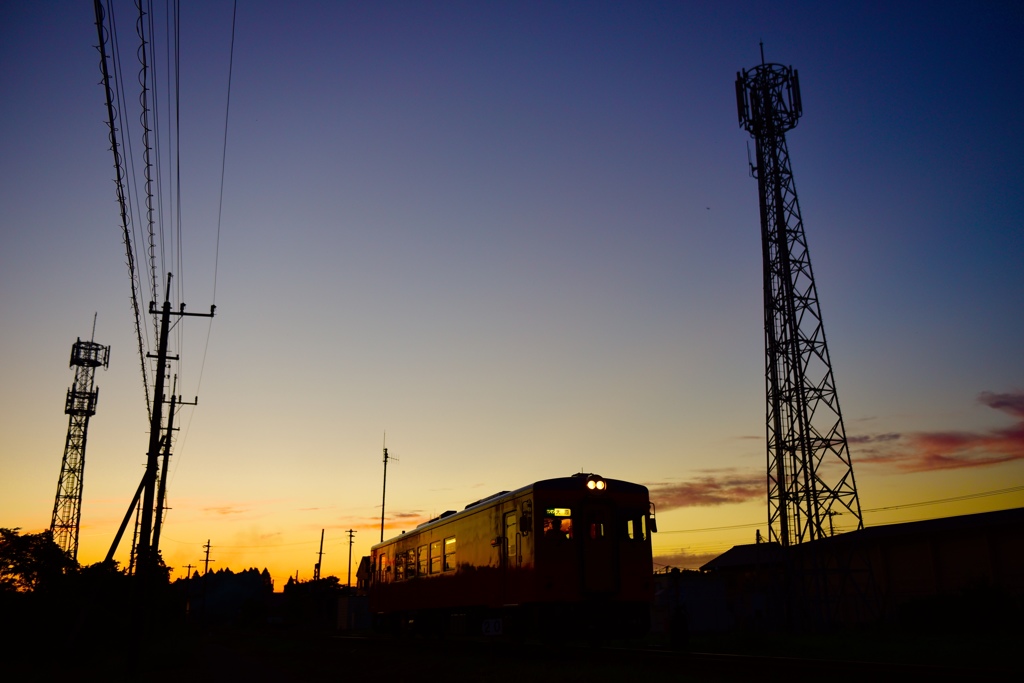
{"x": 31, "y": 562}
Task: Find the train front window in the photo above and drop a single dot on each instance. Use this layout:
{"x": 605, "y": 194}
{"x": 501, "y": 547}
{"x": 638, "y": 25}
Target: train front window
{"x": 558, "y": 527}
{"x": 636, "y": 526}
{"x": 597, "y": 523}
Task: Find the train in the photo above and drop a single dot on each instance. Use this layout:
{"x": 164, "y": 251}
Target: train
{"x": 570, "y": 555}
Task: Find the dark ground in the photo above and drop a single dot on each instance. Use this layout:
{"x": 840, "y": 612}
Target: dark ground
{"x": 294, "y": 655}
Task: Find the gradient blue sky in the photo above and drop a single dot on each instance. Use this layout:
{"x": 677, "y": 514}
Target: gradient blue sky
{"x": 521, "y": 238}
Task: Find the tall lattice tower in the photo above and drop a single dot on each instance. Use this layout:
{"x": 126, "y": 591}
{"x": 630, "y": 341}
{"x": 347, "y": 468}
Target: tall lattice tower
{"x": 810, "y": 475}
{"x": 80, "y": 405}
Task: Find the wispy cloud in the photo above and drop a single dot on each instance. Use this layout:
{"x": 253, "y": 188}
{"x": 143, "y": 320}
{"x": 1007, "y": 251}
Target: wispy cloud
{"x": 716, "y": 487}
{"x": 952, "y": 449}
{"x": 226, "y": 509}
{"x": 395, "y": 521}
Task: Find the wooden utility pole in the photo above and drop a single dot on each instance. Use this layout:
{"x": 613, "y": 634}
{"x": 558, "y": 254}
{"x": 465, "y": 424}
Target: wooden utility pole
{"x": 320, "y": 558}
{"x": 350, "y": 533}
{"x": 207, "y": 561}
{"x": 148, "y": 547}
{"x": 384, "y": 495}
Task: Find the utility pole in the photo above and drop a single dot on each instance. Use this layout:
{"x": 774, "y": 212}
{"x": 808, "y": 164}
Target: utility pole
{"x": 350, "y": 533}
{"x": 319, "y": 558}
{"x": 167, "y": 440}
{"x": 831, "y": 514}
{"x": 148, "y": 547}
{"x": 207, "y": 560}
{"x": 135, "y": 539}
{"x": 384, "y": 496}
{"x": 79, "y": 406}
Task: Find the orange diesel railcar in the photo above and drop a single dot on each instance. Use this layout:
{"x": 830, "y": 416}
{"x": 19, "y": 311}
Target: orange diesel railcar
{"x": 561, "y": 553}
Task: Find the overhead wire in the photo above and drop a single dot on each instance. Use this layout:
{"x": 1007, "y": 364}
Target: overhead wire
{"x": 953, "y": 499}
{"x": 177, "y": 147}
{"x": 134, "y": 201}
{"x": 151, "y": 241}
{"x": 220, "y": 212}
{"x": 938, "y": 501}
{"x": 224, "y": 152}
{"x": 147, "y": 148}
{"x": 123, "y": 196}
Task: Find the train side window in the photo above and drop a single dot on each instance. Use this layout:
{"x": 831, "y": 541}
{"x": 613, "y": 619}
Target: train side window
{"x": 423, "y": 560}
{"x": 449, "y": 554}
{"x": 410, "y": 564}
{"x": 399, "y": 566}
{"x": 435, "y": 557}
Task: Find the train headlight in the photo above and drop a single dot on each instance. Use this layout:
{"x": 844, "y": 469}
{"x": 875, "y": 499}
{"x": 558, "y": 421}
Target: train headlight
{"x": 596, "y": 484}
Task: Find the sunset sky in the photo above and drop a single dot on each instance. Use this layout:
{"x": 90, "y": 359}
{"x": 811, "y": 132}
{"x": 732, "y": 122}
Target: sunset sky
{"x": 520, "y": 238}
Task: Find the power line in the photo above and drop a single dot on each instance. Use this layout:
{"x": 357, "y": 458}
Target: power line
{"x": 713, "y": 528}
{"x": 224, "y": 153}
{"x": 263, "y": 545}
{"x": 951, "y": 499}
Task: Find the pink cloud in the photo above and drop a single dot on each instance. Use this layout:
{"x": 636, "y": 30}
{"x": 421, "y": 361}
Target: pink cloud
{"x": 717, "y": 488}
{"x": 396, "y": 521}
{"x": 946, "y": 450}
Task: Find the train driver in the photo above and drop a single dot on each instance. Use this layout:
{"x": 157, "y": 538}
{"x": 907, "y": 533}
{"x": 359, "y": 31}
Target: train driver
{"x": 557, "y": 528}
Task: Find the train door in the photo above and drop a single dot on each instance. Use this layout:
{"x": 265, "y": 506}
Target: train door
{"x": 511, "y": 558}
{"x": 599, "y": 550}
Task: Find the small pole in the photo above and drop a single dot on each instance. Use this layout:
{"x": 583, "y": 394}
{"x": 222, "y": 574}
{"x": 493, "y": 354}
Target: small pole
{"x": 384, "y": 495}
{"x": 207, "y": 561}
{"x": 319, "y": 558}
{"x": 351, "y": 533}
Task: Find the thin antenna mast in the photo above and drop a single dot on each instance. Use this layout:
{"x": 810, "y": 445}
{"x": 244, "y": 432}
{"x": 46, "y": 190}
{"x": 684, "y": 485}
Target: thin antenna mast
{"x": 384, "y": 495}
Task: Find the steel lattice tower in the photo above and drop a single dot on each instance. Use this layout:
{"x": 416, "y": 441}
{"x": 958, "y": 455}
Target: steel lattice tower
{"x": 80, "y": 405}
{"x": 810, "y": 474}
